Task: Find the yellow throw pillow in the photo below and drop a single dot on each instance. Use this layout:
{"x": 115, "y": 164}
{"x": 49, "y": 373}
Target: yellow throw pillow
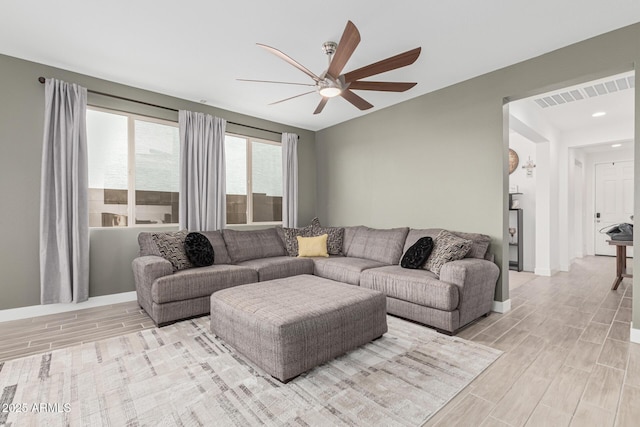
{"x": 312, "y": 246}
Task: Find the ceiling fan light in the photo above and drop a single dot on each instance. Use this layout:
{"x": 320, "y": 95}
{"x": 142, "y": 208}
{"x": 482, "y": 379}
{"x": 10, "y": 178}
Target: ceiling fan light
{"x": 330, "y": 91}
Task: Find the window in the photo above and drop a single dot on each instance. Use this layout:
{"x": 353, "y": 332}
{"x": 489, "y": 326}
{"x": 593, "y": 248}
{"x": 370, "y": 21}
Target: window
{"x": 253, "y": 167}
{"x": 133, "y": 169}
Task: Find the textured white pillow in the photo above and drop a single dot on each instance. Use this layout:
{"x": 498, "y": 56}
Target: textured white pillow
{"x": 446, "y": 247}
{"x": 171, "y": 247}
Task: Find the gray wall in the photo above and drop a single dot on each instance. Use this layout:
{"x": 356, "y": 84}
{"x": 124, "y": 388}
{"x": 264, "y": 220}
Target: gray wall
{"x": 21, "y": 128}
{"x": 440, "y": 160}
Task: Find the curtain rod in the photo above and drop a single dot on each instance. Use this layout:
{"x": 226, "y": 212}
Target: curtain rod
{"x": 42, "y": 80}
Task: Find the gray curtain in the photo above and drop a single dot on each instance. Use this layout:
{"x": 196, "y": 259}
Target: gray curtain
{"x": 64, "y": 217}
{"x": 289, "y": 180}
{"x": 202, "y": 202}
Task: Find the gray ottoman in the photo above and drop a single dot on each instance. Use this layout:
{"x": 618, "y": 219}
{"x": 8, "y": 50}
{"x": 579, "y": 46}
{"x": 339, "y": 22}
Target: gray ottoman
{"x": 288, "y": 326}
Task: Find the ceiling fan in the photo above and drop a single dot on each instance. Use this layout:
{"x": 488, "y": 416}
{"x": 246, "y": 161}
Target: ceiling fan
{"x": 332, "y": 83}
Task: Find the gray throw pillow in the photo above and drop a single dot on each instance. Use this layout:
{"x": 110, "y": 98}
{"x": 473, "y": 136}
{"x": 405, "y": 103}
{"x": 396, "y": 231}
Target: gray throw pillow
{"x": 334, "y": 239}
{"x": 171, "y": 247}
{"x": 446, "y": 247}
{"x": 480, "y": 244}
{"x": 291, "y": 238}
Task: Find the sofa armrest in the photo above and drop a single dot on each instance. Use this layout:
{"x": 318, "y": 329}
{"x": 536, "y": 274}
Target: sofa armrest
{"x": 146, "y": 269}
{"x": 476, "y": 280}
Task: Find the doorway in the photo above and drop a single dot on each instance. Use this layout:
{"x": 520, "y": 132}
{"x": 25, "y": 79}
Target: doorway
{"x": 569, "y": 131}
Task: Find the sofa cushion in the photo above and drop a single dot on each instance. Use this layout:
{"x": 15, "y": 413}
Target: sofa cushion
{"x": 385, "y": 246}
{"x": 219, "y": 247}
{"x": 416, "y": 286}
{"x": 200, "y": 282}
{"x": 343, "y": 269}
{"x": 253, "y": 244}
{"x": 171, "y": 247}
{"x": 148, "y": 246}
{"x": 348, "y": 236}
{"x": 199, "y": 250}
{"x": 279, "y": 267}
{"x": 313, "y": 246}
{"x": 447, "y": 247}
{"x": 479, "y": 247}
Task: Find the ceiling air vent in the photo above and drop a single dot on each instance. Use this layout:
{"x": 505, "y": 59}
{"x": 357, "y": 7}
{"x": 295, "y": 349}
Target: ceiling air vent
{"x": 587, "y": 91}
{"x": 591, "y": 91}
{"x": 622, "y": 84}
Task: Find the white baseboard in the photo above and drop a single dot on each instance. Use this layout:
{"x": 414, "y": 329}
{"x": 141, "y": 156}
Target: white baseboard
{"x": 43, "y": 310}
{"x": 544, "y": 272}
{"x": 567, "y": 267}
{"x": 635, "y": 335}
{"x": 501, "y": 306}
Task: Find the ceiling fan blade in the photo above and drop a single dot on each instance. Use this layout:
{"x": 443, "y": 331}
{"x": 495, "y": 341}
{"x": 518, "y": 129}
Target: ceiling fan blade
{"x": 291, "y": 61}
{"x": 381, "y": 86}
{"x": 321, "y": 105}
{"x": 398, "y": 61}
{"x": 271, "y": 81}
{"x": 291, "y": 97}
{"x": 355, "y": 100}
{"x": 347, "y": 45}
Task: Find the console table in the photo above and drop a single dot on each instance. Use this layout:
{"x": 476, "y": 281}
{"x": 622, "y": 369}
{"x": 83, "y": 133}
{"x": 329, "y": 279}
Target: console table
{"x": 621, "y": 260}
{"x": 518, "y": 263}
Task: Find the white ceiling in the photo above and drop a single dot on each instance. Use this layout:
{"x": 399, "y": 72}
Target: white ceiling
{"x": 617, "y": 103}
{"x": 570, "y": 109}
{"x": 196, "y": 49}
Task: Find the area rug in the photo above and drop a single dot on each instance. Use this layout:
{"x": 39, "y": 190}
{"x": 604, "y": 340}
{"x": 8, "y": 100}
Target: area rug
{"x": 183, "y": 375}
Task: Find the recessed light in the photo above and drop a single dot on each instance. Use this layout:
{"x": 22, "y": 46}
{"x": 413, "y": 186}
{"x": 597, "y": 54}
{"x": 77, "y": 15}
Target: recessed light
{"x": 598, "y": 114}
{"x": 616, "y": 145}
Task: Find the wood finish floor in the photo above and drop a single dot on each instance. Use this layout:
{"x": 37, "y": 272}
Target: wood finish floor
{"x": 567, "y": 361}
{"x": 39, "y": 334}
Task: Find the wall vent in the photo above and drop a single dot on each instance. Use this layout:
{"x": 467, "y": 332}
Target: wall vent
{"x": 587, "y": 91}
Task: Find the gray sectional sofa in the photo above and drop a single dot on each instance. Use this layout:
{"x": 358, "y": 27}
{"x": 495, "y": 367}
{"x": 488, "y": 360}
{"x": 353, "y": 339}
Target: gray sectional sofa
{"x": 370, "y": 258}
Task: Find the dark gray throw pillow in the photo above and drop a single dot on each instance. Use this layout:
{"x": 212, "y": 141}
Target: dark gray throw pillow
{"x": 199, "y": 250}
{"x": 291, "y": 238}
{"x": 417, "y": 254}
{"x": 334, "y": 239}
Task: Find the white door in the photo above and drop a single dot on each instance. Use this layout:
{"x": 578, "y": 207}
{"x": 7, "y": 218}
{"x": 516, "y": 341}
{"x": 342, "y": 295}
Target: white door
{"x": 614, "y": 202}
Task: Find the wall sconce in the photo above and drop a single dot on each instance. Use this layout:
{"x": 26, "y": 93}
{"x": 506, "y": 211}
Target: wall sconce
{"x": 529, "y": 167}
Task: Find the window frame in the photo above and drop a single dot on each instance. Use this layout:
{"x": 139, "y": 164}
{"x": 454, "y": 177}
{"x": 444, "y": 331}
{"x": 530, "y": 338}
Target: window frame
{"x": 131, "y": 163}
{"x": 249, "y": 178}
